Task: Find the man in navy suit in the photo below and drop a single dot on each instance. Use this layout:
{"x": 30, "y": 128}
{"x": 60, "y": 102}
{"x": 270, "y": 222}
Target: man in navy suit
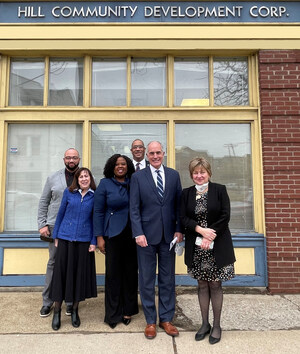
{"x": 154, "y": 210}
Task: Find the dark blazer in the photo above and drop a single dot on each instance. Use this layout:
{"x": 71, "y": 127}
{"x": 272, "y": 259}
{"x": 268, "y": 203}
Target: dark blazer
{"x": 149, "y": 215}
{"x": 218, "y": 216}
{"x": 111, "y": 208}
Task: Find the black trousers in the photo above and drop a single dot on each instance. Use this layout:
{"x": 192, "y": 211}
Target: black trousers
{"x": 121, "y": 277}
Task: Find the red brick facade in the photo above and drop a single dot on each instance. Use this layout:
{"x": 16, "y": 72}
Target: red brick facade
{"x": 279, "y": 79}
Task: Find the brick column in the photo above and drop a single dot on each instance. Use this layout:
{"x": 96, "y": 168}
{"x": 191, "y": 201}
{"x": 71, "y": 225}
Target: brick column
{"x": 279, "y": 79}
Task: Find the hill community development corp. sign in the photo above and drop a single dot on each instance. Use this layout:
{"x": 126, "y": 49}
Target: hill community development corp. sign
{"x": 154, "y": 12}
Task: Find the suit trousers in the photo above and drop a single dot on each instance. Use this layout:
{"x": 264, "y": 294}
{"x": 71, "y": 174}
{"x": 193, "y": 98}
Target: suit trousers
{"x": 121, "y": 277}
{"x": 147, "y": 261}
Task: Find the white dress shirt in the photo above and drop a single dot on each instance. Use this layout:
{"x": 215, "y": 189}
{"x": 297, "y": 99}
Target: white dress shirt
{"x": 142, "y": 164}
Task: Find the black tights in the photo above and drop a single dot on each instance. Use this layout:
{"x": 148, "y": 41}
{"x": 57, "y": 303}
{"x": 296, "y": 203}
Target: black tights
{"x": 210, "y": 291}
{"x": 57, "y": 305}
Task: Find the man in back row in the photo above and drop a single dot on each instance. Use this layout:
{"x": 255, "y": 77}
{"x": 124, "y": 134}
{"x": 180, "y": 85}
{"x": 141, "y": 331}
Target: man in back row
{"x": 47, "y": 211}
{"x": 138, "y": 154}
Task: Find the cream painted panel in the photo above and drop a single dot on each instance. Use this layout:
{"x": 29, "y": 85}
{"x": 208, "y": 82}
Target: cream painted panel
{"x": 100, "y": 263}
{"x": 154, "y": 31}
{"x": 34, "y": 261}
{"x": 25, "y": 261}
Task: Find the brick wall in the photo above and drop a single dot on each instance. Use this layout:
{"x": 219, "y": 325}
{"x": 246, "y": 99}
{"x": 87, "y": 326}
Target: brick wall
{"x": 279, "y": 79}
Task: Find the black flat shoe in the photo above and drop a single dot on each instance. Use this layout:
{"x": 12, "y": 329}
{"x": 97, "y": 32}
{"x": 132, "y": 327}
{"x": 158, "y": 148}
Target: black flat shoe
{"x": 213, "y": 340}
{"x": 56, "y": 320}
{"x": 200, "y": 336}
{"x": 112, "y": 325}
{"x": 126, "y": 321}
{"x": 75, "y": 318}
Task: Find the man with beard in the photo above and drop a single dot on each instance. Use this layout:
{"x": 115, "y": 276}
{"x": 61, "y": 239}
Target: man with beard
{"x": 47, "y": 211}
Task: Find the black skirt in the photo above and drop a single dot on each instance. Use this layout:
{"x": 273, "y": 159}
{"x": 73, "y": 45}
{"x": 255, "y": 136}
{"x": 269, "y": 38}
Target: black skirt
{"x": 74, "y": 275}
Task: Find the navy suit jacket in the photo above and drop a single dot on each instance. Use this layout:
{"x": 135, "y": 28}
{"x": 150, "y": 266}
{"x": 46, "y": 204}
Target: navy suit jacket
{"x": 111, "y": 208}
{"x": 151, "y": 216}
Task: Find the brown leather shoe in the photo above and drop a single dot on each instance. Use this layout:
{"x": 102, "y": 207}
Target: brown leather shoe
{"x": 150, "y": 331}
{"x": 169, "y": 329}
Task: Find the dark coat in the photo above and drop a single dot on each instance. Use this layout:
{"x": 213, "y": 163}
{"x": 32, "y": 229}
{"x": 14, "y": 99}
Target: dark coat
{"x": 218, "y": 216}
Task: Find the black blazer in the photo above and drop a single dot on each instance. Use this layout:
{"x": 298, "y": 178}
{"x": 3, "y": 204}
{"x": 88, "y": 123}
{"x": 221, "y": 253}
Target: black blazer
{"x": 218, "y": 216}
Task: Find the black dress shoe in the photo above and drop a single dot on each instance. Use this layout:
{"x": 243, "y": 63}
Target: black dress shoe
{"x": 112, "y": 325}
{"x": 126, "y": 321}
{"x": 75, "y": 318}
{"x": 200, "y": 336}
{"x": 56, "y": 320}
{"x": 45, "y": 311}
{"x": 213, "y": 340}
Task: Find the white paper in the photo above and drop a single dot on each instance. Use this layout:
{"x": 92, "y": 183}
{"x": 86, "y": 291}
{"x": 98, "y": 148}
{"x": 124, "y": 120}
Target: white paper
{"x": 172, "y": 243}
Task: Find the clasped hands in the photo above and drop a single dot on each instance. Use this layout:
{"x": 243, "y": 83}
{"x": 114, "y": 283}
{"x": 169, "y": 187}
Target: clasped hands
{"x": 208, "y": 236}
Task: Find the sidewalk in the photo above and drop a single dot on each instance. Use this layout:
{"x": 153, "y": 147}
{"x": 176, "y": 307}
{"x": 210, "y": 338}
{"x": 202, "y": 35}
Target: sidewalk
{"x": 251, "y": 323}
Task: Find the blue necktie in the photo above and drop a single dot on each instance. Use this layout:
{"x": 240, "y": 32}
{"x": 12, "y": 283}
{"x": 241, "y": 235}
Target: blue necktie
{"x": 137, "y": 166}
{"x": 160, "y": 187}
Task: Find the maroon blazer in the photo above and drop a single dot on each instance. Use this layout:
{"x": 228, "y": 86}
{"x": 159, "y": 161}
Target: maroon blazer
{"x": 218, "y": 216}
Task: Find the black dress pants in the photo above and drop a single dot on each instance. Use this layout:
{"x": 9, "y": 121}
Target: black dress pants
{"x": 121, "y": 277}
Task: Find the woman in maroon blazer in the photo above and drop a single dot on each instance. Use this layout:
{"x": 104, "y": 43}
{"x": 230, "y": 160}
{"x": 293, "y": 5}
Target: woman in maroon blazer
{"x": 209, "y": 254}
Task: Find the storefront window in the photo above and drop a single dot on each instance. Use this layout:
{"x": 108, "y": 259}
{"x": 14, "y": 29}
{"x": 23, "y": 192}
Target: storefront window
{"x": 34, "y": 152}
{"x": 231, "y": 82}
{"x": 109, "y": 139}
{"x": 191, "y": 82}
{"x": 148, "y": 82}
{"x": 228, "y": 149}
{"x": 66, "y": 82}
{"x": 26, "y": 82}
{"x": 109, "y": 82}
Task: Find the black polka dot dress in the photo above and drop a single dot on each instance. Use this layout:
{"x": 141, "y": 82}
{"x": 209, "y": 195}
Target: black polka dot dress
{"x": 204, "y": 265}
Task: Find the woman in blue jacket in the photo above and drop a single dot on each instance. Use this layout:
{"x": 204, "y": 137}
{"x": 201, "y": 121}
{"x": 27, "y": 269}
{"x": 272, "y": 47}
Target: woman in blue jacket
{"x": 74, "y": 275}
{"x": 114, "y": 239}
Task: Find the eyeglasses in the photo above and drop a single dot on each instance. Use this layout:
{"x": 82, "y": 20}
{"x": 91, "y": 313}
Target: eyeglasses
{"x": 138, "y": 147}
{"x": 68, "y": 158}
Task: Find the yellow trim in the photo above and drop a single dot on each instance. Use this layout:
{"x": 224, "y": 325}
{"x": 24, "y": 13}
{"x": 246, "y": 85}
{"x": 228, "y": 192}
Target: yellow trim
{"x": 211, "y": 81}
{"x": 46, "y": 81}
{"x": 87, "y": 81}
{"x": 128, "y": 93}
{"x": 3, "y": 157}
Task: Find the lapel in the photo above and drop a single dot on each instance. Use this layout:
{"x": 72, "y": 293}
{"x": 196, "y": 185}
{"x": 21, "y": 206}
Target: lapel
{"x": 62, "y": 178}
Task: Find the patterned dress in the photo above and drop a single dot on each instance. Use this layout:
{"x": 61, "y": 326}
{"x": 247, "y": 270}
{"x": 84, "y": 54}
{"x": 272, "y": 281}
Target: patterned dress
{"x": 204, "y": 265}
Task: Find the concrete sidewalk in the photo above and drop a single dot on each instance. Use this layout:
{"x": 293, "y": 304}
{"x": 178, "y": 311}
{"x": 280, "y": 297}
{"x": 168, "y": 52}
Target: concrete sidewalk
{"x": 251, "y": 323}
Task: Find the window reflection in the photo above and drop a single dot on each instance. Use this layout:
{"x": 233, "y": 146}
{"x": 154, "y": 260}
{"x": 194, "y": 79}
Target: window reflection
{"x": 109, "y": 82}
{"x": 191, "y": 86}
{"x": 109, "y": 139}
{"x": 228, "y": 149}
{"x": 26, "y": 82}
{"x": 34, "y": 152}
{"x": 66, "y": 82}
{"x": 231, "y": 82}
{"x": 148, "y": 82}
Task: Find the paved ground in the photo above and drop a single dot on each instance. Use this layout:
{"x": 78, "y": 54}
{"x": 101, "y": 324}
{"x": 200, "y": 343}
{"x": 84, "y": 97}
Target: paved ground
{"x": 252, "y": 323}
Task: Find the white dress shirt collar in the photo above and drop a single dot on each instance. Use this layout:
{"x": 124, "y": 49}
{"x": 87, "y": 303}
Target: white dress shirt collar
{"x": 142, "y": 163}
